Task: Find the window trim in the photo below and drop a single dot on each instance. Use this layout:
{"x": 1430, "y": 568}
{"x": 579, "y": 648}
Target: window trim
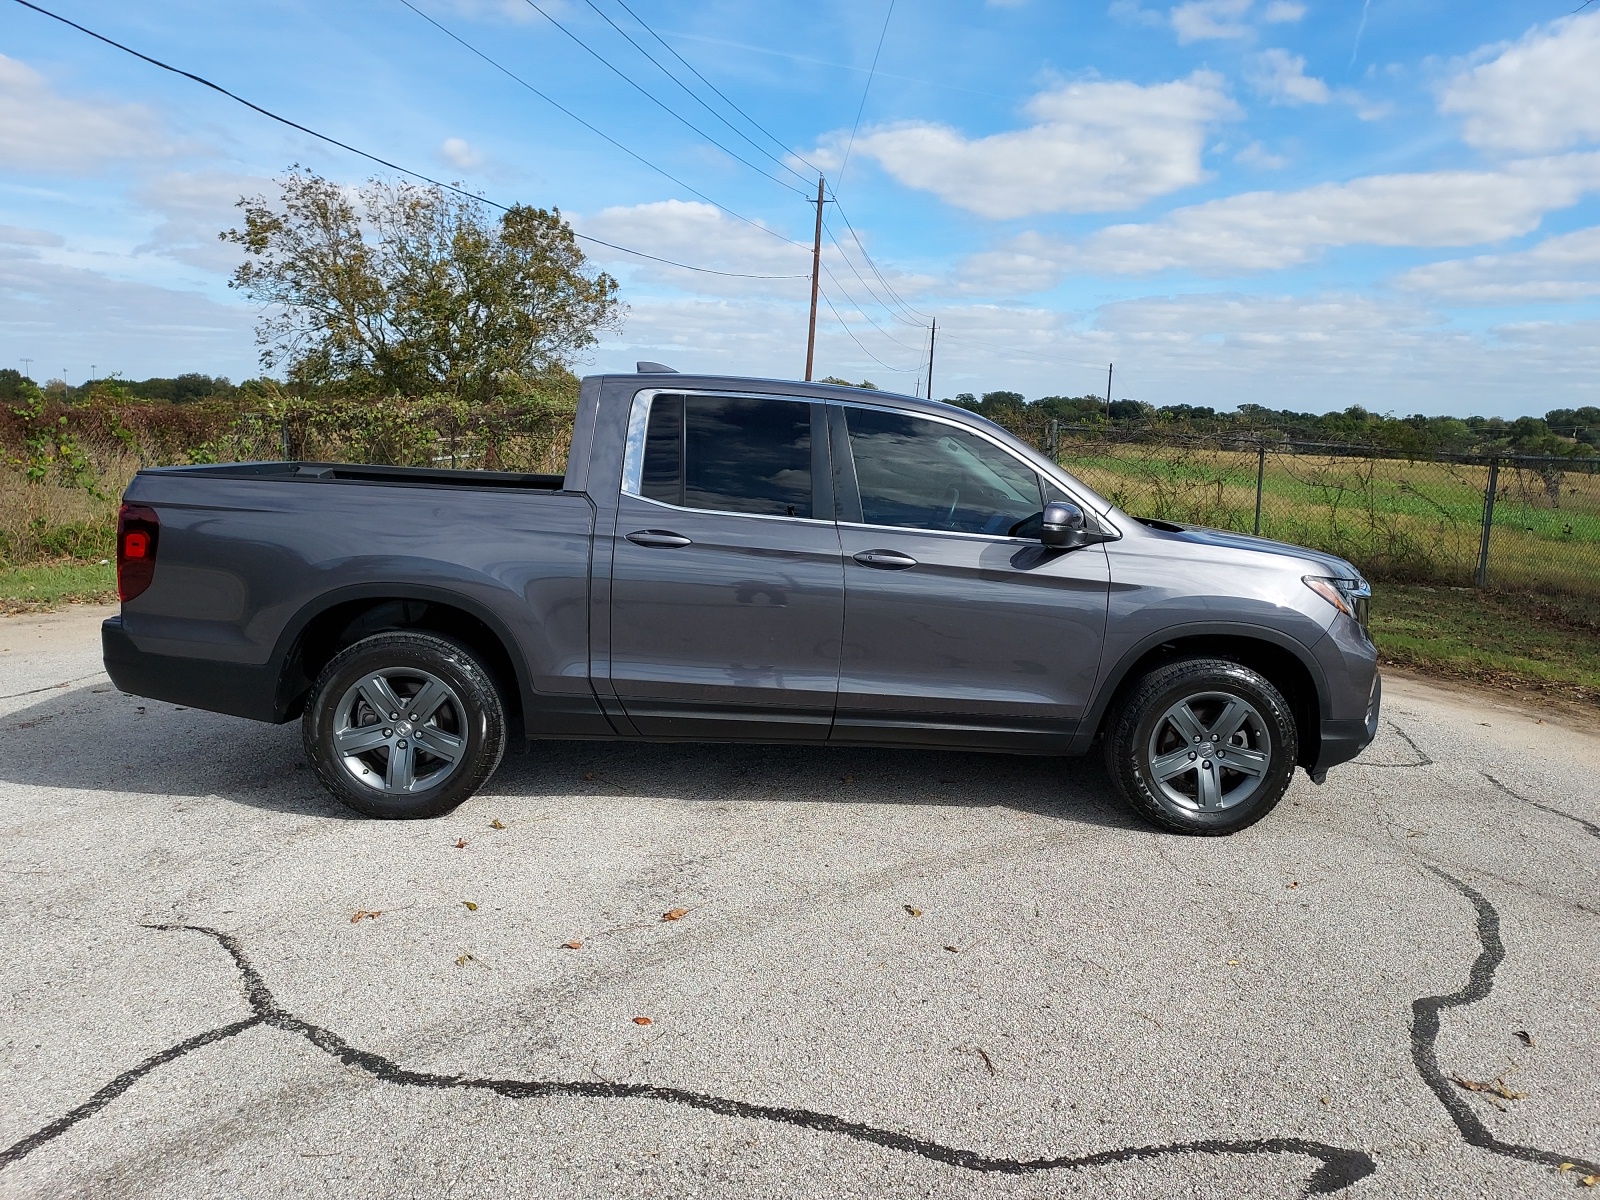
{"x": 848, "y": 468}
{"x": 822, "y": 489}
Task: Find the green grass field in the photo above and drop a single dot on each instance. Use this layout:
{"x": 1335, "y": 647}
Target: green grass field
{"x": 43, "y": 586}
{"x": 1396, "y": 520}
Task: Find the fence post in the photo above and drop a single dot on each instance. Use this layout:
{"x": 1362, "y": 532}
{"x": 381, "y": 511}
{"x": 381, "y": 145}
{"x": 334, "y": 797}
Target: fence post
{"x": 1055, "y": 440}
{"x": 283, "y": 436}
{"x": 1481, "y": 579}
{"x": 1261, "y": 474}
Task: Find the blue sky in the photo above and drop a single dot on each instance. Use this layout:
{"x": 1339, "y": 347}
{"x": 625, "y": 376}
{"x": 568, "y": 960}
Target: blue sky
{"x": 1298, "y": 203}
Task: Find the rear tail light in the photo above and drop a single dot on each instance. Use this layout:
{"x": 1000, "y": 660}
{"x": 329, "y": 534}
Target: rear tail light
{"x": 138, "y": 533}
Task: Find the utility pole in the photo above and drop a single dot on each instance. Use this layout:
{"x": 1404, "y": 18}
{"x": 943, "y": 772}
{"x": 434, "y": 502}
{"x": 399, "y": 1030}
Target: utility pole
{"x": 1108, "y": 389}
{"x": 816, "y": 269}
{"x": 27, "y": 367}
{"x": 933, "y": 334}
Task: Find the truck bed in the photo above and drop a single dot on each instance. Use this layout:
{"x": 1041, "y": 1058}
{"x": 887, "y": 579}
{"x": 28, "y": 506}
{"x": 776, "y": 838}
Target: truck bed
{"x": 315, "y": 472}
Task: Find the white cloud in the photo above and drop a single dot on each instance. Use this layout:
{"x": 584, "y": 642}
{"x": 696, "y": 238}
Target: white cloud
{"x": 1566, "y": 267}
{"x": 701, "y": 235}
{"x": 1257, "y": 155}
{"x": 1097, "y": 147}
{"x": 1204, "y": 20}
{"x": 67, "y": 315}
{"x": 194, "y": 208}
{"x": 1540, "y": 94}
{"x": 461, "y": 154}
{"x": 1260, "y": 231}
{"x": 1282, "y": 78}
{"x": 1281, "y": 12}
{"x": 43, "y": 131}
{"x": 16, "y": 235}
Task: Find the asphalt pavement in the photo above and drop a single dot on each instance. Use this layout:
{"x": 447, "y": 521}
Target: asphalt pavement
{"x": 890, "y": 974}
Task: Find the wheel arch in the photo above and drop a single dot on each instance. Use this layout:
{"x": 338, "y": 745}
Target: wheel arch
{"x": 1282, "y": 660}
{"x": 345, "y": 615}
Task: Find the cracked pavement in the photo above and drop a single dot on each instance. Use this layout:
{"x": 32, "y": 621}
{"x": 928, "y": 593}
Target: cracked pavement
{"x": 1083, "y": 1006}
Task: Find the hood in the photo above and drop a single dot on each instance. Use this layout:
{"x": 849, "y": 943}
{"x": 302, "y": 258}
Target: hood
{"x": 1199, "y": 535}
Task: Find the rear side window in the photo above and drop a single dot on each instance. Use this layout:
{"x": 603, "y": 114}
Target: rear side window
{"x": 729, "y": 454}
{"x": 921, "y": 474}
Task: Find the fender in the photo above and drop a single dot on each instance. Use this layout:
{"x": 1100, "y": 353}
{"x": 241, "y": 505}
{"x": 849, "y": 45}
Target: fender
{"x": 289, "y": 639}
{"x": 1112, "y": 680}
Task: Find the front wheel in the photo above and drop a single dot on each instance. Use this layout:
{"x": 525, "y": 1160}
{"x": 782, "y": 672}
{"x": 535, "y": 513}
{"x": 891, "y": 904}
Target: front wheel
{"x": 403, "y": 725}
{"x": 1202, "y": 746}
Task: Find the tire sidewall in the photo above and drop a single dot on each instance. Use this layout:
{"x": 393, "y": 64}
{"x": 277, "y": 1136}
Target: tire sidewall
{"x": 1163, "y": 688}
{"x": 483, "y": 717}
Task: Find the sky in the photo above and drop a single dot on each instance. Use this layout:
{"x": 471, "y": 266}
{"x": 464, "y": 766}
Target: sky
{"x": 1304, "y": 204}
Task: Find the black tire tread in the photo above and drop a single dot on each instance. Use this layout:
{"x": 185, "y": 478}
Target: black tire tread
{"x": 478, "y": 690}
{"x": 1200, "y": 674}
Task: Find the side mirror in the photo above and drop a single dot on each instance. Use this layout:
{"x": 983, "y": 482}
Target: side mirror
{"x": 1064, "y": 526}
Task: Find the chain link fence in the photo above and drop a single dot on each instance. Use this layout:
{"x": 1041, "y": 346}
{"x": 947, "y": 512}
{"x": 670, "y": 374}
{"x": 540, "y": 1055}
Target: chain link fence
{"x": 1518, "y": 523}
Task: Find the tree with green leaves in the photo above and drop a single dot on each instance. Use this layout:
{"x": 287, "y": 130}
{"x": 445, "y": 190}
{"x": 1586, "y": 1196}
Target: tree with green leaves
{"x": 398, "y": 288}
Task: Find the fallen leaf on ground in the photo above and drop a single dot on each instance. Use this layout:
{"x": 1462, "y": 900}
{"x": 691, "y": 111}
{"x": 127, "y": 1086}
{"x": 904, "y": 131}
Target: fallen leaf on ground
{"x": 1233, "y": 962}
{"x": 641, "y": 1020}
{"x": 1590, "y": 1180}
{"x": 675, "y": 914}
{"x": 1294, "y": 884}
{"x": 497, "y": 823}
{"x": 1525, "y": 1037}
{"x": 952, "y": 950}
{"x": 471, "y": 907}
{"x": 461, "y": 843}
{"x": 574, "y": 944}
{"x": 369, "y": 915}
{"x": 1492, "y": 1087}
{"x": 913, "y": 912}
{"x": 463, "y": 959}
{"x": 1566, "y": 1166}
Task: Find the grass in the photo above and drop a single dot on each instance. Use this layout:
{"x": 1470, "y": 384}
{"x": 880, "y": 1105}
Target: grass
{"x": 1508, "y": 641}
{"x": 43, "y": 586}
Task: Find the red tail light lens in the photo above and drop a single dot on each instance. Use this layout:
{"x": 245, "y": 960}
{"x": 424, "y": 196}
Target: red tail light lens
{"x": 138, "y": 532}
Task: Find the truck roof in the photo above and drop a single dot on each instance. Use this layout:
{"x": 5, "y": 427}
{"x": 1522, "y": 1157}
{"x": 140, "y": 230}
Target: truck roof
{"x": 674, "y": 380}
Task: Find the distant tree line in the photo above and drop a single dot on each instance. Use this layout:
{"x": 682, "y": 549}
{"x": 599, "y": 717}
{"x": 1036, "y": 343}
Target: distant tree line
{"x": 1573, "y": 432}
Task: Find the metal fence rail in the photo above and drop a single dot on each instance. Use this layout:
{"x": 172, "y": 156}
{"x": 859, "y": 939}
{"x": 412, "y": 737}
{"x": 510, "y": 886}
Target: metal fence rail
{"x": 1513, "y": 522}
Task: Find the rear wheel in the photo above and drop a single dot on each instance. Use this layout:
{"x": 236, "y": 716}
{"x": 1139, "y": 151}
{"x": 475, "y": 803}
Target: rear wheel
{"x": 404, "y": 724}
{"x": 1202, "y": 746}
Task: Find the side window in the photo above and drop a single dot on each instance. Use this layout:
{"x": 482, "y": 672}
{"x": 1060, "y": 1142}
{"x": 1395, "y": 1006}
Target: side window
{"x": 922, "y": 474}
{"x": 729, "y": 454}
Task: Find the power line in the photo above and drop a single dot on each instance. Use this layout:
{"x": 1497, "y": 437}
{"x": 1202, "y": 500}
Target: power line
{"x": 650, "y": 96}
{"x": 1071, "y": 362}
{"x": 862, "y": 310}
{"x": 370, "y": 157}
{"x": 759, "y": 149}
{"x": 863, "y": 105}
{"x": 888, "y": 308}
{"x": 857, "y": 341}
{"x": 510, "y": 74}
{"x": 777, "y": 141}
{"x": 873, "y": 265}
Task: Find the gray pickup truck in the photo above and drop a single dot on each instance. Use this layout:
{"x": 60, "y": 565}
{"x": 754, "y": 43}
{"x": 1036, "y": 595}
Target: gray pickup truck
{"x": 741, "y": 560}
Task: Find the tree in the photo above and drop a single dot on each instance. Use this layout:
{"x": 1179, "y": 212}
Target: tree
{"x": 415, "y": 290}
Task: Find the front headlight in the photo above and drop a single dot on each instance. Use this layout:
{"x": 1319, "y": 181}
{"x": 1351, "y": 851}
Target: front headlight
{"x": 1352, "y": 597}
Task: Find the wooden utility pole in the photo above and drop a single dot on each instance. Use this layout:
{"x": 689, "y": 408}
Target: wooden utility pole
{"x": 1108, "y": 389}
{"x": 933, "y": 333}
{"x": 816, "y": 270}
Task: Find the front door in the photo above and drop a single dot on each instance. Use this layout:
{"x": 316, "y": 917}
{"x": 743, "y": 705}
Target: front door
{"x": 727, "y": 590}
{"x": 960, "y": 627}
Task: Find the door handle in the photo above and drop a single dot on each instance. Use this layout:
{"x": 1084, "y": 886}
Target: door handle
{"x": 657, "y": 537}
{"x": 885, "y": 560}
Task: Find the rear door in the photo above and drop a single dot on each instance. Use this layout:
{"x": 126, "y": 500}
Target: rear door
{"x": 727, "y": 589}
{"x": 960, "y": 627}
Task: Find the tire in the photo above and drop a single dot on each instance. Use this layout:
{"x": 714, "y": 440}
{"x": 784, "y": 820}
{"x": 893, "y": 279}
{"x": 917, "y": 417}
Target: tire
{"x": 1163, "y": 753}
{"x": 365, "y": 748}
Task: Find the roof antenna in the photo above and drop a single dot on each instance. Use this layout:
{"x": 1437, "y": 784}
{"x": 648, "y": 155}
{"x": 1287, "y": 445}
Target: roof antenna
{"x": 650, "y": 368}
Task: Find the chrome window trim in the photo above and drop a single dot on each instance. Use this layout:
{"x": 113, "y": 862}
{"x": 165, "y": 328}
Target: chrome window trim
{"x": 633, "y": 451}
{"x": 1060, "y": 479}
{"x": 944, "y": 533}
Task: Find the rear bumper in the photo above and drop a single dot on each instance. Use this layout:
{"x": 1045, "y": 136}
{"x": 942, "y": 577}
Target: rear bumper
{"x": 224, "y": 687}
{"x": 1343, "y": 740}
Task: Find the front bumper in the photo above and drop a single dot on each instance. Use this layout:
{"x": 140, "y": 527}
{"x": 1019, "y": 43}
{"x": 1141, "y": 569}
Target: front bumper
{"x": 1343, "y": 740}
